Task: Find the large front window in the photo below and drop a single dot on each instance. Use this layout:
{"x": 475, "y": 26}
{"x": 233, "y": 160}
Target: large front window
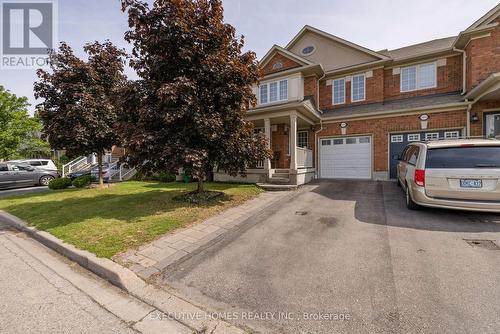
{"x": 492, "y": 125}
{"x": 418, "y": 77}
{"x": 273, "y": 91}
{"x": 303, "y": 139}
{"x": 358, "y": 87}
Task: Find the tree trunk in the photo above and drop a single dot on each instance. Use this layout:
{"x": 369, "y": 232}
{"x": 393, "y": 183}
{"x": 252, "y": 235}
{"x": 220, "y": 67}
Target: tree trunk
{"x": 200, "y": 185}
{"x": 99, "y": 164}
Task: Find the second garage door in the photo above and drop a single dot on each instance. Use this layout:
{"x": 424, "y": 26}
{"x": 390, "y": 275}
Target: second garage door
{"x": 346, "y": 158}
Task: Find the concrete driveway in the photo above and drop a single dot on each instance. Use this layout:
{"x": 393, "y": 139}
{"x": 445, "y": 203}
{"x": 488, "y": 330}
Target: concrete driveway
{"x": 347, "y": 256}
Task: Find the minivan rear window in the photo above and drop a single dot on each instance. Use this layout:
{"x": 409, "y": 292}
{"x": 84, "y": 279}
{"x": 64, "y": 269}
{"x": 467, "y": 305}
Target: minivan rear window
{"x": 464, "y": 157}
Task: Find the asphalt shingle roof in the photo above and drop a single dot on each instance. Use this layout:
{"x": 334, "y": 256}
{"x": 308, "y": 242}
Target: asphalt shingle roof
{"x": 408, "y": 103}
{"x": 416, "y": 49}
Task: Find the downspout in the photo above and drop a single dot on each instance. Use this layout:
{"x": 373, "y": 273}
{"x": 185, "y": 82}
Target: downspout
{"x": 316, "y": 144}
{"x": 464, "y": 69}
{"x": 469, "y": 107}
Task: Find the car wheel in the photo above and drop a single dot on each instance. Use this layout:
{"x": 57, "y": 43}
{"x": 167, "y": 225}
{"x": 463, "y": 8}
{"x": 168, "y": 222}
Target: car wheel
{"x": 409, "y": 201}
{"x": 44, "y": 180}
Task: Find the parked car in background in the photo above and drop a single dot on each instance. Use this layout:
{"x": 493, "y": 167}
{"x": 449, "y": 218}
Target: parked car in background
{"x": 454, "y": 174}
{"x": 17, "y": 174}
{"x": 46, "y": 164}
{"x": 105, "y": 172}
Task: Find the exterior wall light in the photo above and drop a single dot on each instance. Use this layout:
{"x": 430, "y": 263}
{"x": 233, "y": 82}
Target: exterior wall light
{"x": 424, "y": 118}
{"x": 343, "y": 128}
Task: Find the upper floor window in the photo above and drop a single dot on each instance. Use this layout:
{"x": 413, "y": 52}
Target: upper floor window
{"x": 338, "y": 91}
{"x": 358, "y": 87}
{"x": 273, "y": 91}
{"x": 418, "y": 77}
{"x": 308, "y": 50}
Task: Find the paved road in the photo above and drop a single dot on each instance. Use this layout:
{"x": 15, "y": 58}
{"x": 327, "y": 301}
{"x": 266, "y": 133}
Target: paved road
{"x": 35, "y": 299}
{"x": 351, "y": 249}
{"x": 20, "y": 191}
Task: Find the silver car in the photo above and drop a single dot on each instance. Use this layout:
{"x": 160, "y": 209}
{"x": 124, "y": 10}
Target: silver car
{"x": 459, "y": 174}
{"x": 16, "y": 174}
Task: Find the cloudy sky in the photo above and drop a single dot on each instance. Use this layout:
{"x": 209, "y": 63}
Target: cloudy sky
{"x": 373, "y": 24}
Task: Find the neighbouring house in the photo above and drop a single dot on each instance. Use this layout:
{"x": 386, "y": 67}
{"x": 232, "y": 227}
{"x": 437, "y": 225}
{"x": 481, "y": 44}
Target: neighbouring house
{"x": 334, "y": 109}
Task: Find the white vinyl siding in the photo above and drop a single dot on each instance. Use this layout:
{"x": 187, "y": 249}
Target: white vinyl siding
{"x": 338, "y": 91}
{"x": 358, "y": 88}
{"x": 273, "y": 92}
{"x": 421, "y": 76}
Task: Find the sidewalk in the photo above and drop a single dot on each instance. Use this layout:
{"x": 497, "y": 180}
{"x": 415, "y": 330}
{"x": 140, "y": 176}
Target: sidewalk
{"x": 157, "y": 256}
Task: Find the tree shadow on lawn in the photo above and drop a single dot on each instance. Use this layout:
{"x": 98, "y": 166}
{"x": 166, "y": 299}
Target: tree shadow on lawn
{"x": 128, "y": 208}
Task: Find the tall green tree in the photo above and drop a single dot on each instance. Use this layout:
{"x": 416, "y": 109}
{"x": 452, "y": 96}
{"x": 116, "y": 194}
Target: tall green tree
{"x": 188, "y": 107}
{"x": 79, "y": 111}
{"x": 16, "y": 125}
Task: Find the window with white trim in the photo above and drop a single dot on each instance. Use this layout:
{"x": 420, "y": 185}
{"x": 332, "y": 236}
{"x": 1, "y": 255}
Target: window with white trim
{"x": 432, "y": 136}
{"x": 414, "y": 137}
{"x": 416, "y": 77}
{"x": 358, "y": 87}
{"x": 396, "y": 138}
{"x": 273, "y": 91}
{"x": 451, "y": 135}
{"x": 326, "y": 142}
{"x": 338, "y": 94}
{"x": 303, "y": 139}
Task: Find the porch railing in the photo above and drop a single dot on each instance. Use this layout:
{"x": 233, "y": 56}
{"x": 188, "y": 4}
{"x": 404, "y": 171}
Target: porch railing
{"x": 304, "y": 157}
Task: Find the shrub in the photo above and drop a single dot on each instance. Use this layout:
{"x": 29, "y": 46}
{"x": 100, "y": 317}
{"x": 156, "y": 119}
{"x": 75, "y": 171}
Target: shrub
{"x": 61, "y": 183}
{"x": 83, "y": 181}
{"x": 166, "y": 177}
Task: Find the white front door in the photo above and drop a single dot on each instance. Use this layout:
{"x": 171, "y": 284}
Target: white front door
{"x": 346, "y": 158}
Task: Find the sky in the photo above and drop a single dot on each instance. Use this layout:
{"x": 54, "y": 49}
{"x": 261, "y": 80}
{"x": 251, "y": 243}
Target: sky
{"x": 377, "y": 25}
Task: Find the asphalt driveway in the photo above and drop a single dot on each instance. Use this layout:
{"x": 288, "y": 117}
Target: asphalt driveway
{"x": 347, "y": 256}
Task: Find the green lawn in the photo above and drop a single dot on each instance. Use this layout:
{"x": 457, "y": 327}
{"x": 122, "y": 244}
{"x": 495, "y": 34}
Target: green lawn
{"x": 108, "y": 221}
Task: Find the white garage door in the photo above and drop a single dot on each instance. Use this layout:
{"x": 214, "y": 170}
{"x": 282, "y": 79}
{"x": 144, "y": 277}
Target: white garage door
{"x": 349, "y": 158}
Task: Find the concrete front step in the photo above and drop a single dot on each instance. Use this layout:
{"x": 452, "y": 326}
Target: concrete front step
{"x": 281, "y": 175}
{"x": 277, "y": 187}
{"x": 285, "y": 171}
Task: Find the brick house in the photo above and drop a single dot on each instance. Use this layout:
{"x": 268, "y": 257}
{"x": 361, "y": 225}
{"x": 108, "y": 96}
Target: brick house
{"x": 334, "y": 109}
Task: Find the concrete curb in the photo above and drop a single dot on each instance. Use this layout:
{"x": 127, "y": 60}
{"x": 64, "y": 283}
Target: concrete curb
{"x": 189, "y": 315}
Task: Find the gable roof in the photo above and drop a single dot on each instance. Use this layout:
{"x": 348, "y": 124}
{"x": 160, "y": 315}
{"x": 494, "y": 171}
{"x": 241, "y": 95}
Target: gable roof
{"x": 278, "y": 49}
{"x": 486, "y": 18}
{"x": 308, "y": 28}
{"x": 436, "y": 45}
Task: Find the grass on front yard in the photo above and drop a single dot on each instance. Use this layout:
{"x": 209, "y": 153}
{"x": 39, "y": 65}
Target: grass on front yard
{"x": 109, "y": 221}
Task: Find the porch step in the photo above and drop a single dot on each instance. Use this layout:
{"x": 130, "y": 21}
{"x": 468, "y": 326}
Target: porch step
{"x": 279, "y": 180}
{"x": 277, "y": 187}
{"x": 282, "y": 171}
{"x": 281, "y": 175}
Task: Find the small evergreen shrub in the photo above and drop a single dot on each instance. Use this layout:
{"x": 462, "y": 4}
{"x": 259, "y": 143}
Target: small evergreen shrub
{"x": 166, "y": 177}
{"x": 61, "y": 183}
{"x": 83, "y": 181}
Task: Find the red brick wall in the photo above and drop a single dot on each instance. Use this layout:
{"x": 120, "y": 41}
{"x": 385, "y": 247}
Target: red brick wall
{"x": 380, "y": 129}
{"x": 483, "y": 57}
{"x": 449, "y": 79}
{"x": 310, "y": 87}
{"x": 374, "y": 92}
{"x": 278, "y": 57}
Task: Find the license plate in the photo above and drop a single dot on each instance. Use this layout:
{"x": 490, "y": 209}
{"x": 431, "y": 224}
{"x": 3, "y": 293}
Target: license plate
{"x": 471, "y": 183}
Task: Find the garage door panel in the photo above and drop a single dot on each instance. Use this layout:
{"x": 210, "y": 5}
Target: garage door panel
{"x": 348, "y": 157}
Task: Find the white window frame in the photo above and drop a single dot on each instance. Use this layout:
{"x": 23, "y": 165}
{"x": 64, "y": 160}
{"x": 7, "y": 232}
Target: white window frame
{"x": 452, "y": 135}
{"x": 417, "y": 78}
{"x": 268, "y": 91}
{"x": 433, "y": 134}
{"x": 364, "y": 87}
{"x": 307, "y": 138}
{"x": 397, "y": 138}
{"x": 412, "y": 137}
{"x": 333, "y": 92}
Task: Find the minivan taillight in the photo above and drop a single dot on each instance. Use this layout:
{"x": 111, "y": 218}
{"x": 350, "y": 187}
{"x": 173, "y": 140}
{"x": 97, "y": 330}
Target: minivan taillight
{"x": 420, "y": 177}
